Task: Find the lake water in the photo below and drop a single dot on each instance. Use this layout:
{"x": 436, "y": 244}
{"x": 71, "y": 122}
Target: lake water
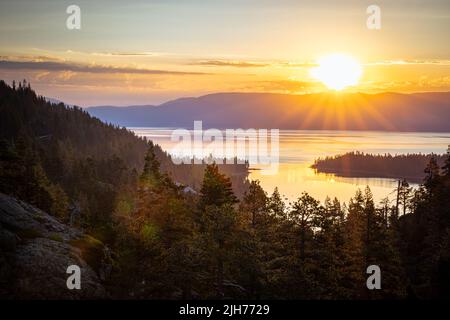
{"x": 299, "y": 148}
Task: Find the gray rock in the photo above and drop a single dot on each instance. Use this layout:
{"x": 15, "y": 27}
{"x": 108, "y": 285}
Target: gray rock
{"x": 35, "y": 251}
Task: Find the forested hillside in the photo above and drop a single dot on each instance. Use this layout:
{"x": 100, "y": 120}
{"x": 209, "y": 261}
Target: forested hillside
{"x": 358, "y": 164}
{"x": 72, "y": 165}
{"x": 164, "y": 242}
{"x": 211, "y": 245}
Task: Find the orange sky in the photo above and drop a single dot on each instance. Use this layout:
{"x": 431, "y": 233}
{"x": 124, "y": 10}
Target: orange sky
{"x": 147, "y": 52}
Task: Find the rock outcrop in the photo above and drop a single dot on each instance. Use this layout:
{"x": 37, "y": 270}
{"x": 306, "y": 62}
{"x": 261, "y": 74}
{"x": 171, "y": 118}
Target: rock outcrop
{"x": 36, "y": 250}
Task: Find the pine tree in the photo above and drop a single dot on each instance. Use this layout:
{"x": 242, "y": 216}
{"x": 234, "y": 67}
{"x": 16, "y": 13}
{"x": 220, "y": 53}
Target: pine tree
{"x": 216, "y": 188}
{"x": 302, "y": 214}
{"x": 218, "y": 220}
{"x": 276, "y": 205}
{"x": 432, "y": 175}
{"x": 60, "y": 202}
{"x": 151, "y": 173}
{"x": 404, "y": 194}
{"x": 327, "y": 242}
{"x": 255, "y": 202}
{"x": 352, "y": 280}
{"x": 446, "y": 167}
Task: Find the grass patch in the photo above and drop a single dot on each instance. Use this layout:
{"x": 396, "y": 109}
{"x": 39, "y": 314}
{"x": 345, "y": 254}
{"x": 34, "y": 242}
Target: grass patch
{"x": 124, "y": 207}
{"x": 56, "y": 237}
{"x": 149, "y": 233}
{"x": 91, "y": 250}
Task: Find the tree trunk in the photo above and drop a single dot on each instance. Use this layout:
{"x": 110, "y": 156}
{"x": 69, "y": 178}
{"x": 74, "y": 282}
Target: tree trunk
{"x": 220, "y": 278}
{"x": 302, "y": 244}
{"x": 398, "y": 196}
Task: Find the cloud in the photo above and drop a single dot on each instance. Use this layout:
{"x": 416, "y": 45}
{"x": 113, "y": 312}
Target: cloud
{"x": 283, "y": 86}
{"x": 252, "y": 64}
{"x": 410, "y": 62}
{"x": 421, "y": 84}
{"x": 298, "y": 64}
{"x": 126, "y": 54}
{"x": 73, "y": 67}
{"x": 229, "y": 63}
{"x": 28, "y": 58}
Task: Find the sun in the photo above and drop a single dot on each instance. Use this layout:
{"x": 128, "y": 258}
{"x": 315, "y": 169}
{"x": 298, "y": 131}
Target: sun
{"x": 337, "y": 71}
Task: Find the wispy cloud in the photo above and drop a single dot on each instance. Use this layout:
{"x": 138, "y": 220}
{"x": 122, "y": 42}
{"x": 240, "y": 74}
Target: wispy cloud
{"x": 297, "y": 64}
{"x": 409, "y": 62}
{"x": 126, "y": 54}
{"x": 28, "y": 58}
{"x": 292, "y": 86}
{"x": 422, "y": 84}
{"x": 252, "y": 64}
{"x": 74, "y": 67}
{"x": 230, "y": 63}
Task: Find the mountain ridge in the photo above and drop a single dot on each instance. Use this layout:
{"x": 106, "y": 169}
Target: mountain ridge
{"x": 388, "y": 111}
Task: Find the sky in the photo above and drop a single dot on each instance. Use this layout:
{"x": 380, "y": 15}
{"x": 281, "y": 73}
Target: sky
{"x": 148, "y": 52}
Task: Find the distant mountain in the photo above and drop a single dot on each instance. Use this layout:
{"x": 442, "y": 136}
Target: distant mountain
{"x": 329, "y": 111}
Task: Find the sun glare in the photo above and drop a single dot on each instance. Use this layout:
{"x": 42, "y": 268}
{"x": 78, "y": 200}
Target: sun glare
{"x": 337, "y": 71}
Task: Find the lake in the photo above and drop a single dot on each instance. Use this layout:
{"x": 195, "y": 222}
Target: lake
{"x": 299, "y": 148}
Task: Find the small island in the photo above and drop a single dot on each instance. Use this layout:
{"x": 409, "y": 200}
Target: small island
{"x": 366, "y": 165}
